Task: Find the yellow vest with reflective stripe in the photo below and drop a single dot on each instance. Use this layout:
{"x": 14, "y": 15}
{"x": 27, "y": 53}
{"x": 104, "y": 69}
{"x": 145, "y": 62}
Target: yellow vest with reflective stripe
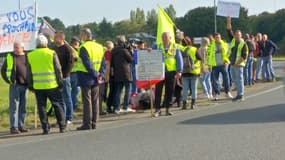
{"x": 10, "y": 66}
{"x": 169, "y": 57}
{"x": 212, "y": 53}
{"x": 197, "y": 63}
{"x": 42, "y": 68}
{"x": 96, "y": 54}
{"x": 75, "y": 67}
{"x": 239, "y": 50}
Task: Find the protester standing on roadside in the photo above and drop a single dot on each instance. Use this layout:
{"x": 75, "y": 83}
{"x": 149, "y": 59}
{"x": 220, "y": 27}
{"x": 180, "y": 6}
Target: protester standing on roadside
{"x": 14, "y": 72}
{"x": 75, "y": 89}
{"x": 268, "y": 50}
{"x": 206, "y": 71}
{"x": 218, "y": 62}
{"x": 66, "y": 60}
{"x": 91, "y": 69}
{"x": 238, "y": 55}
{"x": 173, "y": 69}
{"x": 45, "y": 79}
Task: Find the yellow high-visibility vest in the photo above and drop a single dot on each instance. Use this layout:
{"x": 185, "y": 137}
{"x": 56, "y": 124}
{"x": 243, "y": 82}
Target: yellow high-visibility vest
{"x": 41, "y": 61}
{"x": 10, "y": 66}
{"x": 96, "y": 54}
{"x": 212, "y": 53}
{"x": 169, "y": 57}
{"x": 239, "y": 50}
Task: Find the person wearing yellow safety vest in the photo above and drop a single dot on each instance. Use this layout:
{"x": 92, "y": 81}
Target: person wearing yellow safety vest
{"x": 91, "y": 67}
{"x": 238, "y": 55}
{"x": 75, "y": 89}
{"x": 45, "y": 79}
{"x": 14, "y": 73}
{"x": 218, "y": 62}
{"x": 190, "y": 74}
{"x": 173, "y": 65}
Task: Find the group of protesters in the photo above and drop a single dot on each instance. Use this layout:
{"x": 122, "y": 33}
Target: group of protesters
{"x": 59, "y": 71}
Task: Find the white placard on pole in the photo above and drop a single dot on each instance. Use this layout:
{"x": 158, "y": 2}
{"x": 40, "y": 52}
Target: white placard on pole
{"x": 149, "y": 65}
{"x": 228, "y": 9}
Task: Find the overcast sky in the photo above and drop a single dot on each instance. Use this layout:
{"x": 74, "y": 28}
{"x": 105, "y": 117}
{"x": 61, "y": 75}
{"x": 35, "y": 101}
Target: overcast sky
{"x": 82, "y": 11}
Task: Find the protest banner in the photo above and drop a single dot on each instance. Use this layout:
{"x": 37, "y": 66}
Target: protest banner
{"x": 149, "y": 67}
{"x": 20, "y": 25}
{"x": 228, "y": 9}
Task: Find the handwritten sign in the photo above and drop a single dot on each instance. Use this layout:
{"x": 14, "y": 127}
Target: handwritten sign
{"x": 150, "y": 65}
{"x": 228, "y": 9}
{"x": 20, "y": 26}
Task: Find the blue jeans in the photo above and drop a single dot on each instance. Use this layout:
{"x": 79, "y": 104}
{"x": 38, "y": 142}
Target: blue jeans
{"x": 248, "y": 69}
{"x": 216, "y": 84}
{"x": 259, "y": 68}
{"x": 206, "y": 83}
{"x": 75, "y": 89}
{"x": 118, "y": 91}
{"x": 237, "y": 74}
{"x": 193, "y": 82}
{"x": 268, "y": 68}
{"x": 66, "y": 94}
{"x": 134, "y": 82}
{"x": 18, "y": 105}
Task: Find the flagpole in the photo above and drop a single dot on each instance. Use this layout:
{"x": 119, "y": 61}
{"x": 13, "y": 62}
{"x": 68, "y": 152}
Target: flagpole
{"x": 215, "y": 19}
{"x": 19, "y": 4}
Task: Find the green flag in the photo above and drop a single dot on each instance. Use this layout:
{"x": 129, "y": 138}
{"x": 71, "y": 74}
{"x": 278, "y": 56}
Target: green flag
{"x": 165, "y": 24}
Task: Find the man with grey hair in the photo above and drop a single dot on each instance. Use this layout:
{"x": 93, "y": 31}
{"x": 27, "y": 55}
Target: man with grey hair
{"x": 45, "y": 78}
{"x": 90, "y": 73}
{"x": 14, "y": 72}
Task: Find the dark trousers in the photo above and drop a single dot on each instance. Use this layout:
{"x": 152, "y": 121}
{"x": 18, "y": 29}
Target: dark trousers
{"x": 169, "y": 83}
{"x": 111, "y": 96}
{"x": 90, "y": 99}
{"x": 55, "y": 97}
{"x": 102, "y": 95}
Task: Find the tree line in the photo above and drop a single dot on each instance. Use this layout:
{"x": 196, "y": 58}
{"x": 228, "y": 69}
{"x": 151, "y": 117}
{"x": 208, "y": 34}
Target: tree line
{"x": 195, "y": 23}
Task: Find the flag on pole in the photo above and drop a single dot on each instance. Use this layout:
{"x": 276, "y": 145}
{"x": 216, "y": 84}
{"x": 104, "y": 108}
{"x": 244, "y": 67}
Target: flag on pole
{"x": 165, "y": 24}
{"x": 45, "y": 28}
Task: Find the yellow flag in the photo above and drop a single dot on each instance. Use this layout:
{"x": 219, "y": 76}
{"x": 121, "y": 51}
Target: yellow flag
{"x": 165, "y": 24}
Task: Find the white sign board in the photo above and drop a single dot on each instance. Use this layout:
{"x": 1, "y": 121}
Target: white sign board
{"x": 149, "y": 65}
{"x": 228, "y": 9}
{"x": 20, "y": 26}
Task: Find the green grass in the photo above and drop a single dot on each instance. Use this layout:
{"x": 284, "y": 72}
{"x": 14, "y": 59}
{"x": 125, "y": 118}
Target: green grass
{"x": 279, "y": 58}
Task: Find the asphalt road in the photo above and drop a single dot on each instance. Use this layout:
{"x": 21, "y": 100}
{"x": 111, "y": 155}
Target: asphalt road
{"x": 249, "y": 130}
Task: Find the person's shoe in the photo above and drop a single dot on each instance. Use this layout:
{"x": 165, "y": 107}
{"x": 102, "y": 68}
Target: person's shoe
{"x": 128, "y": 110}
{"x": 229, "y": 95}
{"x": 157, "y": 113}
{"x": 238, "y": 98}
{"x": 117, "y": 112}
{"x": 193, "y": 101}
{"x": 23, "y": 130}
{"x": 45, "y": 131}
{"x": 184, "y": 107}
{"x": 83, "y": 128}
{"x": 14, "y": 131}
{"x": 216, "y": 97}
{"x": 168, "y": 113}
{"x": 103, "y": 113}
{"x": 62, "y": 130}
{"x": 93, "y": 125}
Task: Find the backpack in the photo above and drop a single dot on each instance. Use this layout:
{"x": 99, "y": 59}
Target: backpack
{"x": 188, "y": 63}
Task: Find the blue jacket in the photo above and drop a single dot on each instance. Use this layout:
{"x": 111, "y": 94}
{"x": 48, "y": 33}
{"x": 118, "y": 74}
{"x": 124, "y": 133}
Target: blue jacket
{"x": 268, "y": 48}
